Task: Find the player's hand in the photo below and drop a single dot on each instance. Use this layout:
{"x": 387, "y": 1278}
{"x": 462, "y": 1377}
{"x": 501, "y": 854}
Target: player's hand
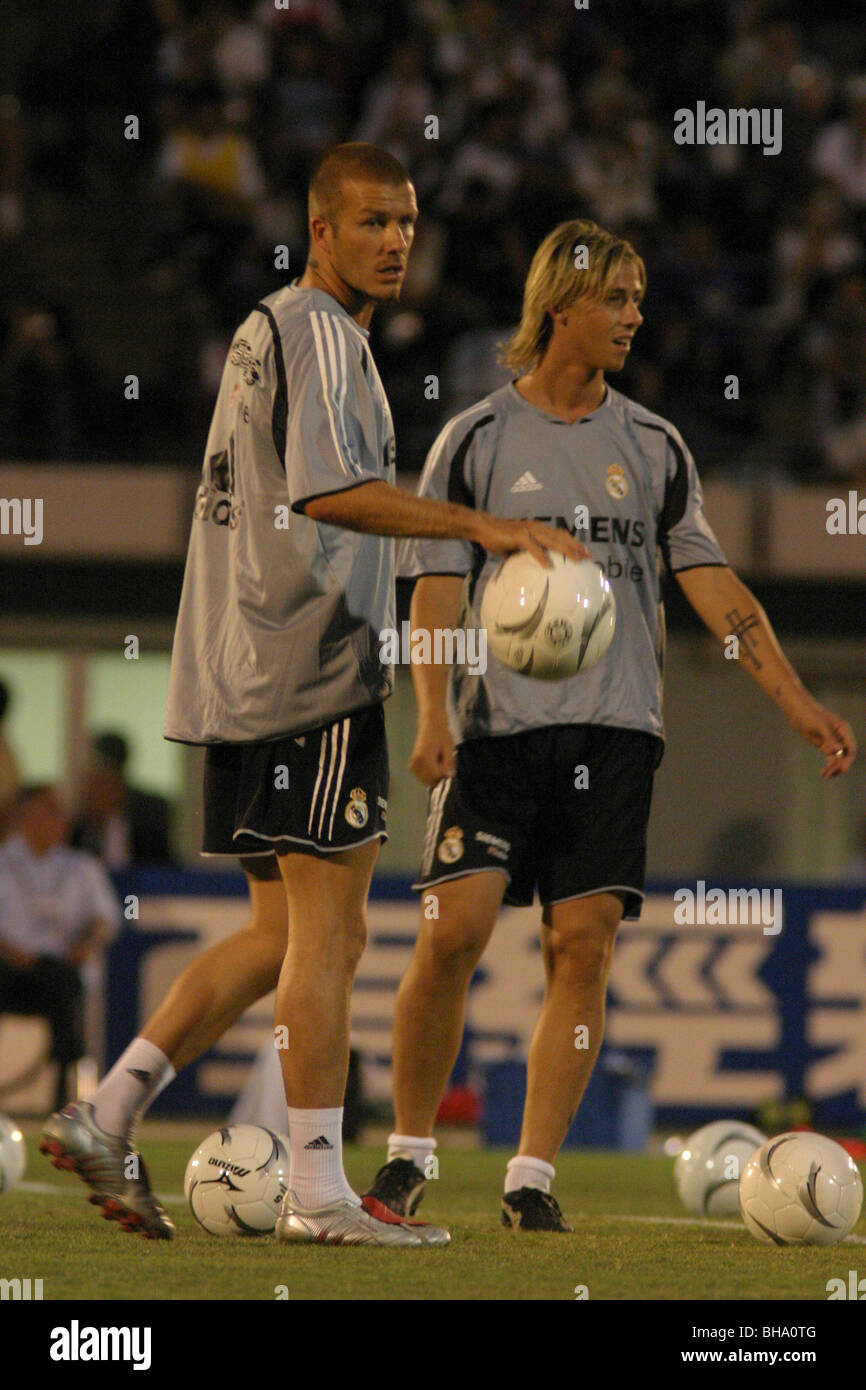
{"x": 505, "y": 537}
{"x": 833, "y": 736}
{"x": 433, "y": 756}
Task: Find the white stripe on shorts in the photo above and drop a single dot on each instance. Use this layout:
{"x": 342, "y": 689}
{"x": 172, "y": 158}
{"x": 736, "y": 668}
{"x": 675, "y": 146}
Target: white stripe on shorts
{"x": 335, "y": 739}
{"x": 434, "y": 820}
{"x": 318, "y": 780}
{"x": 346, "y": 723}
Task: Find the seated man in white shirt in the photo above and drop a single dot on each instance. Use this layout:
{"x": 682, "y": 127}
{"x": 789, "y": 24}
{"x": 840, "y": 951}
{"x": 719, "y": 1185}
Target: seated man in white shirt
{"x": 57, "y": 907}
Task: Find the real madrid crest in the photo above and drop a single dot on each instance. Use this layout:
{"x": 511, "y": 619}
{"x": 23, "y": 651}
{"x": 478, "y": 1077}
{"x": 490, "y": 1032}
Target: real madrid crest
{"x": 616, "y": 483}
{"x": 451, "y": 848}
{"x": 356, "y": 812}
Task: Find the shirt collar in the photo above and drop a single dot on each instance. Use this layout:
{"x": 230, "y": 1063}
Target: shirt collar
{"x": 557, "y": 419}
{"x": 297, "y": 288}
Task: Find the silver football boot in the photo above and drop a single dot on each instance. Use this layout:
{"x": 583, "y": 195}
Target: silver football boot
{"x": 110, "y": 1166}
{"x": 344, "y": 1223}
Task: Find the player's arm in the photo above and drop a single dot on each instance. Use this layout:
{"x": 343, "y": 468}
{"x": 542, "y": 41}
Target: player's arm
{"x": 329, "y": 456}
{"x": 730, "y": 609}
{"x": 384, "y": 510}
{"x": 436, "y": 603}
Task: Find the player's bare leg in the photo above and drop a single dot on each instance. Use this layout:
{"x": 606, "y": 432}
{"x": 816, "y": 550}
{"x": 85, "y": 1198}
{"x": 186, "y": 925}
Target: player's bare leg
{"x": 327, "y": 900}
{"x": 428, "y": 1025}
{"x": 577, "y": 940}
{"x": 431, "y": 1002}
{"x": 217, "y": 987}
{"x": 94, "y": 1139}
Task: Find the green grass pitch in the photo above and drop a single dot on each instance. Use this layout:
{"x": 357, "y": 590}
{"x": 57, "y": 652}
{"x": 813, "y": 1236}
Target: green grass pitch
{"x": 632, "y": 1240}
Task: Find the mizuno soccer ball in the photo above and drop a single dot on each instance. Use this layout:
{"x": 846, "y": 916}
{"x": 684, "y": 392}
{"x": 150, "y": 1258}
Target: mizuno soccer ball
{"x": 800, "y": 1189}
{"x": 13, "y": 1154}
{"x": 548, "y": 623}
{"x": 236, "y": 1180}
{"x": 707, "y": 1170}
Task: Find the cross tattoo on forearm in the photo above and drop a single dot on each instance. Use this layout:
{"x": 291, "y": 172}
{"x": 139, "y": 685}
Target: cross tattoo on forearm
{"x": 740, "y": 627}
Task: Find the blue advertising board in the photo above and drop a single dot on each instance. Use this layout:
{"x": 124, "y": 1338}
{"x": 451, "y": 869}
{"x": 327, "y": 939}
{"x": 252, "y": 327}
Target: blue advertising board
{"x": 722, "y": 1016}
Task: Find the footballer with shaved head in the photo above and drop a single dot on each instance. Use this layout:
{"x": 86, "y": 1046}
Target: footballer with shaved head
{"x": 276, "y": 671}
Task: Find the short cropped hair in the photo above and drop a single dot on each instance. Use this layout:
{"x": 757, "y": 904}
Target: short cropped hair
{"x": 111, "y": 748}
{"x": 556, "y": 280}
{"x": 354, "y": 160}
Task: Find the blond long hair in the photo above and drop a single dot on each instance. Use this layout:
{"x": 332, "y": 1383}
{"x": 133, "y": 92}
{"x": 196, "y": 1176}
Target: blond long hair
{"x": 556, "y": 282}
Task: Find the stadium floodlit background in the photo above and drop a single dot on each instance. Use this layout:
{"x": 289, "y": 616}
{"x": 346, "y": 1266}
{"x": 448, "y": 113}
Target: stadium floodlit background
{"x": 153, "y": 168}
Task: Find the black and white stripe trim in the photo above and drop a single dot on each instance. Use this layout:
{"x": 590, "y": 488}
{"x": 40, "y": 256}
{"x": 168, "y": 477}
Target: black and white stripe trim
{"x": 330, "y": 340}
{"x": 434, "y": 822}
{"x": 338, "y": 737}
{"x": 280, "y": 412}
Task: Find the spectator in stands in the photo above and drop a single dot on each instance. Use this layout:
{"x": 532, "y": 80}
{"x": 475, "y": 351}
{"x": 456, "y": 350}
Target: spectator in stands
{"x": 325, "y": 16}
{"x": 241, "y": 54}
{"x": 840, "y": 149}
{"x": 10, "y": 777}
{"x": 485, "y": 50}
{"x": 588, "y": 101}
{"x": 123, "y": 826}
{"x": 835, "y": 350}
{"x": 39, "y": 400}
{"x": 398, "y": 104}
{"x": 486, "y": 162}
{"x": 546, "y": 108}
{"x": 11, "y": 165}
{"x": 611, "y": 163}
{"x": 57, "y": 908}
{"x": 207, "y": 160}
{"x": 306, "y": 106}
{"x": 810, "y": 249}
{"x": 185, "y": 53}
{"x": 211, "y": 184}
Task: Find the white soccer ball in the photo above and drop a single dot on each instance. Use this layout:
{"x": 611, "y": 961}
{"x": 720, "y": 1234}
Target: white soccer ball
{"x": 800, "y": 1189}
{"x": 708, "y": 1167}
{"x": 548, "y": 623}
{"x": 13, "y": 1154}
{"x": 236, "y": 1180}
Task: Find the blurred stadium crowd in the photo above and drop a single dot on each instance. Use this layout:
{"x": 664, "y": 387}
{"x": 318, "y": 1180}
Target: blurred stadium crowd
{"x": 140, "y": 255}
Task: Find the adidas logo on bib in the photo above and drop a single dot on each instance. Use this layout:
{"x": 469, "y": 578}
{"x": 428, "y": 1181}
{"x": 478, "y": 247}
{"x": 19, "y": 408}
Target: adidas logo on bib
{"x": 527, "y": 482}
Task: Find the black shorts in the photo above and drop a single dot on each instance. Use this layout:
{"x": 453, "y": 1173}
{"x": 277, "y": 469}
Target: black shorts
{"x": 563, "y": 809}
{"x": 320, "y": 792}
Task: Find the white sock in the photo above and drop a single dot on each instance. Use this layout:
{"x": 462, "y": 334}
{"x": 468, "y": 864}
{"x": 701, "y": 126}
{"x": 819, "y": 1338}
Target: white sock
{"x": 409, "y": 1146}
{"x": 137, "y": 1077}
{"x": 316, "y": 1157}
{"x": 524, "y": 1171}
